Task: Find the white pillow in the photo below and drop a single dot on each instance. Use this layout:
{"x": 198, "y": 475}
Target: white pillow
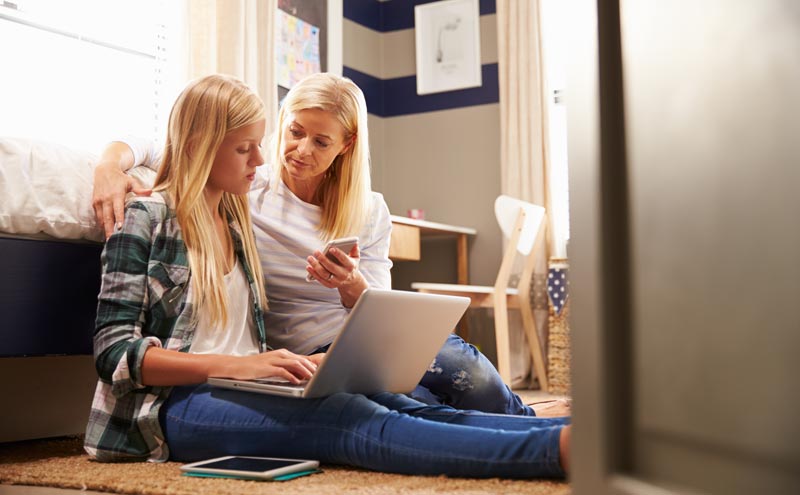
{"x": 47, "y": 188}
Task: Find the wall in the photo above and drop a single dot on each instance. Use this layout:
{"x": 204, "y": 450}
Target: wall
{"x": 45, "y": 396}
{"x": 439, "y": 153}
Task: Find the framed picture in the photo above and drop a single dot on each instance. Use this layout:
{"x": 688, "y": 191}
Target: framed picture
{"x": 448, "y": 44}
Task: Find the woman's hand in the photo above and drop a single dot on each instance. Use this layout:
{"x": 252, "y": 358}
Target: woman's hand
{"x": 344, "y": 276}
{"x": 111, "y": 185}
{"x": 281, "y": 363}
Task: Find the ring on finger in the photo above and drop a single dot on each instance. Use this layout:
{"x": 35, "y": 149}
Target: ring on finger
{"x": 330, "y": 276}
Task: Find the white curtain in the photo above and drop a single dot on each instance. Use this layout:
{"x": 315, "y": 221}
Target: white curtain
{"x": 524, "y": 143}
{"x": 235, "y": 37}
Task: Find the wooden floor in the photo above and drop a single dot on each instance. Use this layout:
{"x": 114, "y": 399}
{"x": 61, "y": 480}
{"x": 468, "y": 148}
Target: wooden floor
{"x": 530, "y": 396}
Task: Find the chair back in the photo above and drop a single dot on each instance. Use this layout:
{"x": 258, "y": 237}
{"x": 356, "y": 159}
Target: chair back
{"x": 524, "y": 226}
{"x": 506, "y": 210}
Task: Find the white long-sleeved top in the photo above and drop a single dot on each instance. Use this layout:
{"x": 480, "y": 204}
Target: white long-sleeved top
{"x": 302, "y": 316}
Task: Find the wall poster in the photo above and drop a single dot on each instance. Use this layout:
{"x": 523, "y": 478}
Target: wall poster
{"x": 448, "y": 46}
{"x": 297, "y": 48}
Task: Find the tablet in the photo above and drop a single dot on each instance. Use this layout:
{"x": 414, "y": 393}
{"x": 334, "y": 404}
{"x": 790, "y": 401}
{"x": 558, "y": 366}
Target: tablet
{"x": 251, "y": 467}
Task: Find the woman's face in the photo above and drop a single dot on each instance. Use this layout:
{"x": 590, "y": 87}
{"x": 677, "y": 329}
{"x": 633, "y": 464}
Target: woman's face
{"x": 312, "y": 139}
{"x": 234, "y": 167}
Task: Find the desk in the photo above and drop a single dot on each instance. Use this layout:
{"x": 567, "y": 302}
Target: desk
{"x": 406, "y": 239}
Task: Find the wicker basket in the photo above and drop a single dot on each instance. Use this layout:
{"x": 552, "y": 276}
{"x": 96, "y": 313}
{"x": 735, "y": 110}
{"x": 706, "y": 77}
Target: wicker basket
{"x": 558, "y": 340}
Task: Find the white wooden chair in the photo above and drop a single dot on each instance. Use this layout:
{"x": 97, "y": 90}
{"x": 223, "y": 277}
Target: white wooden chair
{"x": 523, "y": 224}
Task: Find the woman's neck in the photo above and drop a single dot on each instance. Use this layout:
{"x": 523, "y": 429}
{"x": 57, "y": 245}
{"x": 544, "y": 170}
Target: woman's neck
{"x": 305, "y": 190}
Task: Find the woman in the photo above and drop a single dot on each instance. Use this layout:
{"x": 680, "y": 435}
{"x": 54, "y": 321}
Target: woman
{"x": 182, "y": 300}
{"x": 319, "y": 189}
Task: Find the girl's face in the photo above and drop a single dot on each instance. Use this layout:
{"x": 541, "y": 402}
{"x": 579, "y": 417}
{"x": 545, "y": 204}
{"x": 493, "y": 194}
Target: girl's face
{"x": 312, "y": 139}
{"x": 234, "y": 167}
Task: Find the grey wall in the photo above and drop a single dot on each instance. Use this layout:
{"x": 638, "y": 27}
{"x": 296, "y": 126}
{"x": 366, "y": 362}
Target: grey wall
{"x": 445, "y": 162}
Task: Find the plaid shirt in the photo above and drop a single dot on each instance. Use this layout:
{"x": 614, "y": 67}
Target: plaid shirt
{"x": 145, "y": 300}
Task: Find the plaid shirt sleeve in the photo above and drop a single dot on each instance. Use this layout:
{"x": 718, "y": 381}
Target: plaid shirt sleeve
{"x": 119, "y": 345}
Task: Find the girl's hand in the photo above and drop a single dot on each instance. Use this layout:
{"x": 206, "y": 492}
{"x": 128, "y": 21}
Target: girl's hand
{"x": 317, "y": 358}
{"x": 281, "y": 363}
{"x": 344, "y": 276}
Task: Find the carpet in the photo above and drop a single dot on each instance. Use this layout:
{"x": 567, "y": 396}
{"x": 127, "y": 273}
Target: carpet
{"x": 62, "y": 463}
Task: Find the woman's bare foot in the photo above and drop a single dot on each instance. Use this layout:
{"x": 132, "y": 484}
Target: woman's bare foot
{"x": 563, "y": 447}
{"x": 553, "y": 408}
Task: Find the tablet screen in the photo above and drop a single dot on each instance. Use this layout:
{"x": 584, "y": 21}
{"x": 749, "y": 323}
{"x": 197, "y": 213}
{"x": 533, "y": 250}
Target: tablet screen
{"x": 248, "y": 464}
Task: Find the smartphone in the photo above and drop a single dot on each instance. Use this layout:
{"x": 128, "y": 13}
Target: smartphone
{"x": 345, "y": 244}
{"x": 250, "y": 467}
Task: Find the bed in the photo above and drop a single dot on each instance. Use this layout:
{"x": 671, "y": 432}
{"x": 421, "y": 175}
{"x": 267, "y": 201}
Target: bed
{"x": 50, "y": 250}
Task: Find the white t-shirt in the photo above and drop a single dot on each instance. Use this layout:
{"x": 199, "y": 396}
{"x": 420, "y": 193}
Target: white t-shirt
{"x": 302, "y": 316}
{"x": 238, "y": 337}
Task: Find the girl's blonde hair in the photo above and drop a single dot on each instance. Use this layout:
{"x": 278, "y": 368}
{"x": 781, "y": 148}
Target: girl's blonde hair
{"x": 206, "y": 110}
{"x": 345, "y": 190}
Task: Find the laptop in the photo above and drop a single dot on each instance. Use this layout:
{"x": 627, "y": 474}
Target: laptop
{"x": 388, "y": 341}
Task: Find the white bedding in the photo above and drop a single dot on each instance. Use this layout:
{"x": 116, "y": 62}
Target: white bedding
{"x": 46, "y": 188}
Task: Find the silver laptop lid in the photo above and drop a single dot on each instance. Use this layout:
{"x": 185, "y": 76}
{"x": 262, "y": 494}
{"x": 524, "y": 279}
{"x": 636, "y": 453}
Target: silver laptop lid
{"x": 387, "y": 342}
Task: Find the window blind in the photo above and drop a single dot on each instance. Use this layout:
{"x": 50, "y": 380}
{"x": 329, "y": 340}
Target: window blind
{"x": 86, "y": 71}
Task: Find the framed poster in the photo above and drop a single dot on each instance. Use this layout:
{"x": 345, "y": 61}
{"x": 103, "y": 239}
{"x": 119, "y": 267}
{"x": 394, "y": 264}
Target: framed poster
{"x": 448, "y": 46}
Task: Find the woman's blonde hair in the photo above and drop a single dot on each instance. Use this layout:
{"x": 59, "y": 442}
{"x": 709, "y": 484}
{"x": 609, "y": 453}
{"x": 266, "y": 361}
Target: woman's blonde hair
{"x": 208, "y": 109}
{"x": 344, "y": 192}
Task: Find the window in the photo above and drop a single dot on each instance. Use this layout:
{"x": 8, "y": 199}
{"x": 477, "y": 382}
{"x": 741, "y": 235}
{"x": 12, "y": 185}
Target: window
{"x": 555, "y": 22}
{"x": 83, "y": 72}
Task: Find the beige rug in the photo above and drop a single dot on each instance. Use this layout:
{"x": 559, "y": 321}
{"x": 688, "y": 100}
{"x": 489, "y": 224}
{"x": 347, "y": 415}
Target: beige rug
{"x": 62, "y": 463}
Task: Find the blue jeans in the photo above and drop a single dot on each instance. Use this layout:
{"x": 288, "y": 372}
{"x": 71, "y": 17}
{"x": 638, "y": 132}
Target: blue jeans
{"x": 462, "y": 377}
{"x": 385, "y": 432}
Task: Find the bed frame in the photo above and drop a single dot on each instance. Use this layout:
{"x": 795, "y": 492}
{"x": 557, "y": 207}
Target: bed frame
{"x": 48, "y": 302}
{"x": 48, "y": 296}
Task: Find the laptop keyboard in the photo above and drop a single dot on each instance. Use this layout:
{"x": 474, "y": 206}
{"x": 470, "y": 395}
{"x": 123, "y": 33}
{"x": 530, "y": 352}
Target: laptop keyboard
{"x": 280, "y": 381}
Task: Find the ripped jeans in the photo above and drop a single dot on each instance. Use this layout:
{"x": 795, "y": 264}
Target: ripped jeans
{"x": 462, "y": 377}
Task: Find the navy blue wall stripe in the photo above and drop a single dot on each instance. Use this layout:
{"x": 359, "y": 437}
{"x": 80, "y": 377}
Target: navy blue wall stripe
{"x": 364, "y": 12}
{"x": 371, "y": 86}
{"x": 394, "y": 97}
{"x": 393, "y": 15}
